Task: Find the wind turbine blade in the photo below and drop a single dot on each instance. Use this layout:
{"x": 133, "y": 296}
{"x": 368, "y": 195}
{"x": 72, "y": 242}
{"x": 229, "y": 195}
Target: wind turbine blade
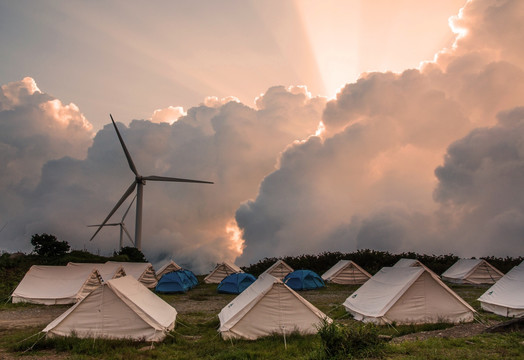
{"x": 129, "y": 207}
{"x": 128, "y": 192}
{"x": 128, "y": 156}
{"x": 127, "y": 233}
{"x": 112, "y": 224}
{"x": 165, "y": 178}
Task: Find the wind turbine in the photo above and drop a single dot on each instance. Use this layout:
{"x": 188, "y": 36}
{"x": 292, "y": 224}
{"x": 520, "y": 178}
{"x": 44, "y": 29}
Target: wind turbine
{"x": 139, "y": 183}
{"x": 122, "y": 226}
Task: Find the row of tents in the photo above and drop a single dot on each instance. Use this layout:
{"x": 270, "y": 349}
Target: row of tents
{"x": 52, "y": 285}
{"x": 109, "y": 304}
{"x": 344, "y": 272}
{"x": 123, "y": 307}
{"x": 464, "y": 271}
{"x": 409, "y": 292}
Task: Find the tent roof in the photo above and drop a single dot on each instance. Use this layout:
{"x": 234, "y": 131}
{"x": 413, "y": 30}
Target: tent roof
{"x": 135, "y": 269}
{"x": 142, "y": 272}
{"x": 167, "y": 267}
{"x": 243, "y": 303}
{"x": 508, "y": 291}
{"x": 232, "y": 266}
{"x": 465, "y": 267}
{"x": 404, "y": 262}
{"x": 54, "y": 282}
{"x": 339, "y": 266}
{"x": 149, "y": 307}
{"x": 221, "y": 271}
{"x": 278, "y": 264}
{"x": 106, "y": 270}
{"x": 462, "y": 268}
{"x": 134, "y": 292}
{"x": 381, "y": 292}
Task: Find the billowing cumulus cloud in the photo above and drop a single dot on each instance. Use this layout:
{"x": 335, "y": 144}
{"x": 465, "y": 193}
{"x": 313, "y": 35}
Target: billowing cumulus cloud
{"x": 479, "y": 186}
{"x": 168, "y": 115}
{"x": 34, "y": 129}
{"x": 229, "y": 143}
{"x": 368, "y": 181}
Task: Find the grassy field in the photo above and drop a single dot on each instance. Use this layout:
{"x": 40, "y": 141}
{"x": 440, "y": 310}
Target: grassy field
{"x": 196, "y": 336}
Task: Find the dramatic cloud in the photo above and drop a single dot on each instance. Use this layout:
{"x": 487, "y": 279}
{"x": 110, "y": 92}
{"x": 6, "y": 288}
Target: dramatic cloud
{"x": 34, "y": 129}
{"x": 368, "y": 181}
{"x": 479, "y": 186}
{"x": 168, "y": 115}
{"x": 229, "y": 143}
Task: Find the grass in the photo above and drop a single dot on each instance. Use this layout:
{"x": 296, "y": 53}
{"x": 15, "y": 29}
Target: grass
{"x": 196, "y": 335}
{"x": 485, "y": 346}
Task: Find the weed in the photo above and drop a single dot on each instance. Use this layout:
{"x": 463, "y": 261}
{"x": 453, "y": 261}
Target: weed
{"x": 342, "y": 342}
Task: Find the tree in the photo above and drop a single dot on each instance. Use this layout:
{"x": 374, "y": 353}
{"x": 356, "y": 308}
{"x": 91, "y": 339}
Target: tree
{"x": 131, "y": 253}
{"x": 48, "y": 245}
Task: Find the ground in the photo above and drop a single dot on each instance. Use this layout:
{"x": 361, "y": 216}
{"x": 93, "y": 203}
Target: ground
{"x": 458, "y": 331}
{"x": 202, "y": 304}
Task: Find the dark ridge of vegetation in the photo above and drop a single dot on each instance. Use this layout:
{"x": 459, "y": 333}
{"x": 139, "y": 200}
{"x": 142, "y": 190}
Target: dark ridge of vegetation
{"x": 372, "y": 261}
{"x": 14, "y": 266}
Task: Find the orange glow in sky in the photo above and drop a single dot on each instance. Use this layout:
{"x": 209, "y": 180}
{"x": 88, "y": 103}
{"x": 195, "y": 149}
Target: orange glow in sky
{"x": 236, "y": 243}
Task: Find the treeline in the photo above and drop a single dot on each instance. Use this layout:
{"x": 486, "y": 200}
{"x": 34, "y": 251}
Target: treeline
{"x": 372, "y": 261}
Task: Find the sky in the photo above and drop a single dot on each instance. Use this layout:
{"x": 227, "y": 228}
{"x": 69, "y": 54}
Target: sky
{"x": 325, "y": 126}
{"x": 131, "y": 58}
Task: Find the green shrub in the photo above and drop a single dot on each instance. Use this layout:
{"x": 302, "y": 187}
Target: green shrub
{"x": 343, "y": 342}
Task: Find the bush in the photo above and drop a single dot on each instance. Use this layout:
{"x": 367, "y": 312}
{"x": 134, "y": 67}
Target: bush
{"x": 128, "y": 253}
{"x": 343, "y": 342}
{"x": 48, "y": 245}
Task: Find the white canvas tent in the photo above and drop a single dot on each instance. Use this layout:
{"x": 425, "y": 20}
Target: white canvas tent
{"x": 404, "y": 262}
{"x": 221, "y": 271}
{"x": 506, "y": 296}
{"x": 407, "y": 295}
{"x": 107, "y": 271}
{"x": 143, "y": 272}
{"x": 167, "y": 268}
{"x": 472, "y": 271}
{"x": 268, "y": 307}
{"x": 52, "y": 285}
{"x": 121, "y": 308}
{"x": 279, "y": 269}
{"x": 346, "y": 272}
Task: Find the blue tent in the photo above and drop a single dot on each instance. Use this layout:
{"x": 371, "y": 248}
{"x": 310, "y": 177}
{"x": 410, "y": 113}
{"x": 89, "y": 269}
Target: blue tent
{"x": 192, "y": 278}
{"x": 173, "y": 282}
{"x": 303, "y": 280}
{"x": 235, "y": 283}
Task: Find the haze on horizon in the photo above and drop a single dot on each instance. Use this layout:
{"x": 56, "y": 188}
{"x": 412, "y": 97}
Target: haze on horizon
{"x": 420, "y": 149}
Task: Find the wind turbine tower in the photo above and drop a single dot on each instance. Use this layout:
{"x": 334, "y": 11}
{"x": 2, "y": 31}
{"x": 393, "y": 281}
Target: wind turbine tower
{"x": 138, "y": 183}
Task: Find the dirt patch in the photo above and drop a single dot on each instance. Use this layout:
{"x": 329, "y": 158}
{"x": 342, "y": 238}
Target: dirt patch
{"x": 458, "y": 331}
{"x": 29, "y": 316}
{"x": 43, "y": 355}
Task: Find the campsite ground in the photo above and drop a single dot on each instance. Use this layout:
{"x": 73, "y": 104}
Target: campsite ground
{"x": 195, "y": 335}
